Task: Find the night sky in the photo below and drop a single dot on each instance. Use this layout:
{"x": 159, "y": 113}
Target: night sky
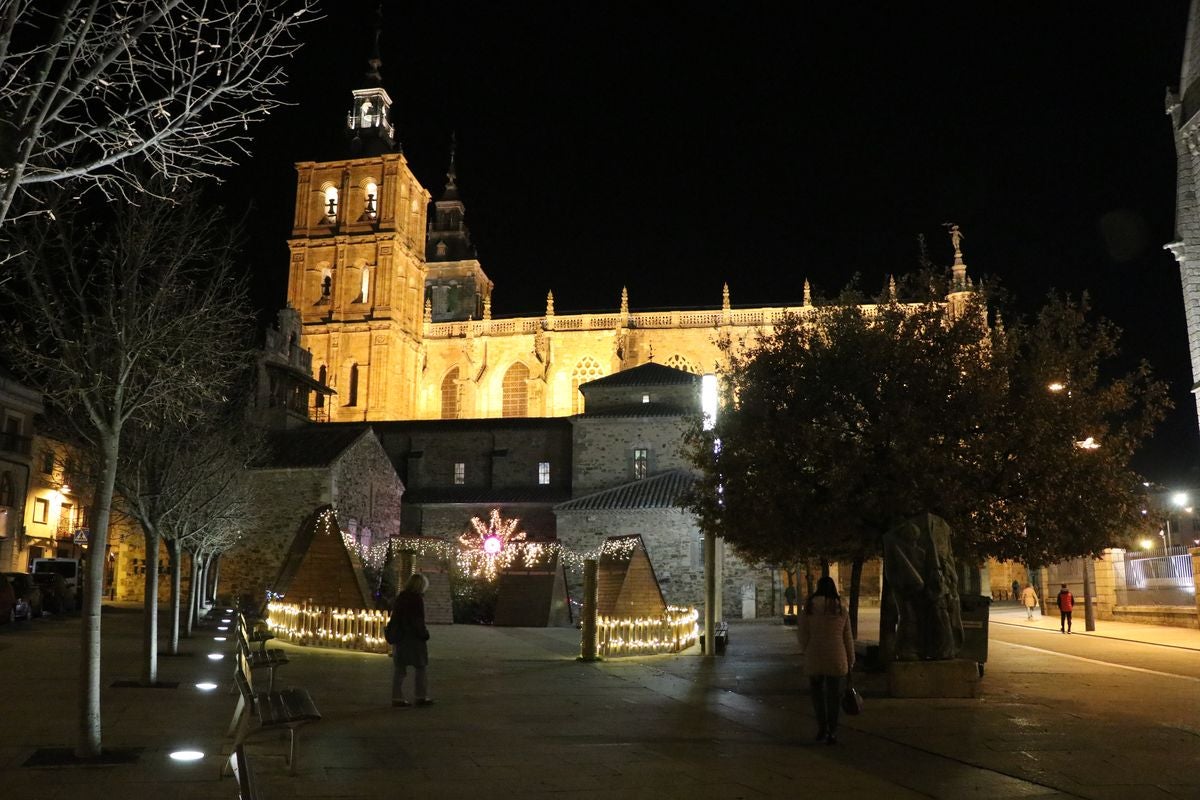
{"x": 672, "y": 147}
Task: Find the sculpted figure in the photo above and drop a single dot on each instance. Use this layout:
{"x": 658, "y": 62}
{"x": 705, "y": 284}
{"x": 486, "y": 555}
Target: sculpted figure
{"x": 919, "y": 566}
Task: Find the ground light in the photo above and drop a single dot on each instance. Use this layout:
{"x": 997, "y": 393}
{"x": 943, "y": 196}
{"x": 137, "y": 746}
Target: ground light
{"x": 187, "y": 755}
{"x": 215, "y": 656}
{"x": 222, "y": 627}
{"x": 225, "y": 621}
{"x": 206, "y": 686}
{"x": 218, "y": 638}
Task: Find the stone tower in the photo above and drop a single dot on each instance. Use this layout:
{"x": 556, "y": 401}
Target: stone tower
{"x": 1183, "y": 106}
{"x": 357, "y": 271}
{"x": 456, "y": 285}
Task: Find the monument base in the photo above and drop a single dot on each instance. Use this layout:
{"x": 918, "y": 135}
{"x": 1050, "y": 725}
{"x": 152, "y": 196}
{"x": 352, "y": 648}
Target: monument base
{"x": 956, "y": 678}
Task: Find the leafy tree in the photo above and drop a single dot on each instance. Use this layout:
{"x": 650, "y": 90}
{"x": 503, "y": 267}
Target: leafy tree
{"x": 120, "y": 323}
{"x": 837, "y": 425}
{"x": 89, "y": 88}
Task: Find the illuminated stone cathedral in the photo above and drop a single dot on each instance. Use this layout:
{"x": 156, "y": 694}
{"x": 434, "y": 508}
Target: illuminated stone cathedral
{"x": 397, "y": 309}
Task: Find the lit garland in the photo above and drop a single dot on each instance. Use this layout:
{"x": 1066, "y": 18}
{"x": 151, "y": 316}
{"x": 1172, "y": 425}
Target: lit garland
{"x": 676, "y": 629}
{"x": 496, "y": 544}
{"x": 349, "y": 628}
{"x": 373, "y": 556}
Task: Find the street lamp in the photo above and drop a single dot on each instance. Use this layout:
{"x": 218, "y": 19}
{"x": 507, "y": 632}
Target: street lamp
{"x": 1180, "y": 501}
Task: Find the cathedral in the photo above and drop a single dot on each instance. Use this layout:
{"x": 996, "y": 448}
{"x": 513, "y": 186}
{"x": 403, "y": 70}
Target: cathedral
{"x": 397, "y": 309}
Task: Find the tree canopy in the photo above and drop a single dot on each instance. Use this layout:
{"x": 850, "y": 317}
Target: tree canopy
{"x": 837, "y": 424}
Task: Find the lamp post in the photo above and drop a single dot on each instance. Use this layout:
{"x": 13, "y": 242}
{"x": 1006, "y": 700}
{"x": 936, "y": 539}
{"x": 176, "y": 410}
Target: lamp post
{"x": 1179, "y": 500}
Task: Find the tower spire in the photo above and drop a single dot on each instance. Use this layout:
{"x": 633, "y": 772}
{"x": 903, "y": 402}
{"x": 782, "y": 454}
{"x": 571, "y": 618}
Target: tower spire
{"x": 368, "y": 123}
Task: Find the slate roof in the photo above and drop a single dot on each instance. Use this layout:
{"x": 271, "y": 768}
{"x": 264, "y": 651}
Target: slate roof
{"x": 310, "y": 447}
{"x": 658, "y": 491}
{"x": 650, "y": 374}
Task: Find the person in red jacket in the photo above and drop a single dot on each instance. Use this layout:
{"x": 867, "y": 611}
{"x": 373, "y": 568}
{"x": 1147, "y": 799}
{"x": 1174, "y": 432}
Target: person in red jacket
{"x": 1066, "y": 604}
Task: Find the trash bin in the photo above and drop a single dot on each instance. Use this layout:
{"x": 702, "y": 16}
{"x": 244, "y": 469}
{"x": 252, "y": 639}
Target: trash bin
{"x": 975, "y": 610}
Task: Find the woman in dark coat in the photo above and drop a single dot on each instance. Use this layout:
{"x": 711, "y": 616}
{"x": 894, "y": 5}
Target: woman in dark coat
{"x": 410, "y": 650}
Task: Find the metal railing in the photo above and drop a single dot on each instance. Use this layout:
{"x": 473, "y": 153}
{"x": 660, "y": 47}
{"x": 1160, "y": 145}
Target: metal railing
{"x": 1156, "y": 577}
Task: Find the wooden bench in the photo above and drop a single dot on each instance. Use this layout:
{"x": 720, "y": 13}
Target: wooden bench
{"x": 287, "y": 708}
{"x": 721, "y": 638}
{"x": 256, "y": 634}
{"x": 239, "y": 764}
{"x": 271, "y": 659}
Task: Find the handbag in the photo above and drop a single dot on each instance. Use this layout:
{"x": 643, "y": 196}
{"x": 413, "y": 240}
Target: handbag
{"x": 391, "y": 632}
{"x": 852, "y": 702}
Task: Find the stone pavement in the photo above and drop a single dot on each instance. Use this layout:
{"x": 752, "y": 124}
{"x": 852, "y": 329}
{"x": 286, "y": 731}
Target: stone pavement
{"x": 517, "y": 715}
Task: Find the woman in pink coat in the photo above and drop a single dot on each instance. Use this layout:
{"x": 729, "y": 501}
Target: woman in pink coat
{"x": 828, "y": 648}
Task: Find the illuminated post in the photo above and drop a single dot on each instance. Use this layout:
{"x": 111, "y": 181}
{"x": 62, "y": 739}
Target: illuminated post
{"x": 591, "y": 598}
{"x": 712, "y": 593}
{"x": 1089, "y": 611}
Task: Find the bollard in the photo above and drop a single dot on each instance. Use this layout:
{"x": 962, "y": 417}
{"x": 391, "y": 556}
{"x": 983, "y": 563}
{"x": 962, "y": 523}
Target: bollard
{"x": 588, "y": 645}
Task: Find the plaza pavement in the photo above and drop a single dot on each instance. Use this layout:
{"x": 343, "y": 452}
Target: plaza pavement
{"x": 517, "y": 716}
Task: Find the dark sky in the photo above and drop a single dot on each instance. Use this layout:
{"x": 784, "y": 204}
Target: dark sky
{"x": 670, "y": 147}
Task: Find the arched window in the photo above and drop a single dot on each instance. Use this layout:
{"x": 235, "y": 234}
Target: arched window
{"x": 331, "y": 202}
{"x": 352, "y": 386}
{"x": 371, "y": 199}
{"x": 516, "y": 391}
{"x": 322, "y": 374}
{"x": 588, "y": 369}
{"x": 451, "y": 395}
{"x": 679, "y": 362}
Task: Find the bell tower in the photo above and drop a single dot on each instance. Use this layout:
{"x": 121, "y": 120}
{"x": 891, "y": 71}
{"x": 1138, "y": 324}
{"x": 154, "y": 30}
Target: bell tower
{"x": 357, "y": 268}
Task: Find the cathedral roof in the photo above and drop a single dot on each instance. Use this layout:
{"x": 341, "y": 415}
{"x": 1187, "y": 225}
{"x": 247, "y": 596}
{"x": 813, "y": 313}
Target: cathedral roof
{"x": 310, "y": 447}
{"x": 664, "y": 491}
{"x": 649, "y": 374}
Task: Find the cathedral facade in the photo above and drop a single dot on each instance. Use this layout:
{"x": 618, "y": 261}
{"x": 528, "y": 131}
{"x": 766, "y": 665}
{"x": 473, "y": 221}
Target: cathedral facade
{"x": 397, "y": 309}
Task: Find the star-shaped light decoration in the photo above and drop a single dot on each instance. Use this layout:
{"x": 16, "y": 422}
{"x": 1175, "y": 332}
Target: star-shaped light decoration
{"x": 490, "y": 546}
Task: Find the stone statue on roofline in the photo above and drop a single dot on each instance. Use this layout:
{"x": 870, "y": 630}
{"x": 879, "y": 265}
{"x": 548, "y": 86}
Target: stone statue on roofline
{"x": 922, "y": 581}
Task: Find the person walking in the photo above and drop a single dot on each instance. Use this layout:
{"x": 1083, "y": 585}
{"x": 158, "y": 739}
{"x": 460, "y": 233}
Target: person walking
{"x": 1029, "y": 599}
{"x": 411, "y": 636}
{"x": 828, "y": 648}
{"x": 1066, "y": 604}
{"x": 1016, "y": 592}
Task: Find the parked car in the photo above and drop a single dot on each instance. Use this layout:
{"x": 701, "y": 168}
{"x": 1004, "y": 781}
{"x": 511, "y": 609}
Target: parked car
{"x": 57, "y": 597}
{"x": 11, "y": 607}
{"x": 28, "y": 594}
{"x": 69, "y": 568}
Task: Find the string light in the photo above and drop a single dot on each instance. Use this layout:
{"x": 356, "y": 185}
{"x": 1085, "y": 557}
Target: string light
{"x": 674, "y": 630}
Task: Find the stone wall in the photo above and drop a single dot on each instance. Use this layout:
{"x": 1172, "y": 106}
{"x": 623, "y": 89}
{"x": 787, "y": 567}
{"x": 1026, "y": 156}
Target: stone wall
{"x": 450, "y": 520}
{"x": 366, "y": 491}
{"x": 603, "y": 449}
{"x": 287, "y": 498}
{"x": 673, "y": 544}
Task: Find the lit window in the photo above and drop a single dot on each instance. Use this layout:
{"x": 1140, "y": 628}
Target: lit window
{"x": 366, "y": 284}
{"x": 641, "y": 457}
{"x": 645, "y": 398}
{"x": 451, "y": 395}
{"x": 364, "y": 113}
{"x": 543, "y": 473}
{"x": 41, "y": 510}
{"x": 460, "y": 473}
{"x": 588, "y": 369}
{"x": 515, "y": 391}
{"x": 331, "y": 202}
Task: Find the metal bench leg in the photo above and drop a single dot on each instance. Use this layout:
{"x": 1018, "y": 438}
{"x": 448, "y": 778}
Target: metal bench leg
{"x": 237, "y": 715}
{"x": 292, "y": 751}
{"x": 271, "y": 680}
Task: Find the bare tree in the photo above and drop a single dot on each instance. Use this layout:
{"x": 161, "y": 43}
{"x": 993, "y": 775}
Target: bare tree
{"x": 120, "y": 323}
{"x": 89, "y": 88}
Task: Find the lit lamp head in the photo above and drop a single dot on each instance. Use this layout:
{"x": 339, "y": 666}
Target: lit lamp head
{"x": 1179, "y": 499}
{"x": 492, "y": 545}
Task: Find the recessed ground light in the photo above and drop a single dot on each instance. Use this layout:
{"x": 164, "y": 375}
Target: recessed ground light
{"x": 222, "y": 627}
{"x": 207, "y": 686}
{"x": 225, "y": 621}
{"x": 215, "y": 656}
{"x": 187, "y": 755}
{"x": 218, "y": 638}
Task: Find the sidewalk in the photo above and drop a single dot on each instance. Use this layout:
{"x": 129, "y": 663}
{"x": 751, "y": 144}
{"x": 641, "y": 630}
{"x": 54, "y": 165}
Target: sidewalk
{"x": 1013, "y": 615}
{"x": 517, "y": 716}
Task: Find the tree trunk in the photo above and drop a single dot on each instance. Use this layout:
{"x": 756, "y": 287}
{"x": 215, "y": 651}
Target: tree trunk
{"x": 88, "y": 744}
{"x": 175, "y": 549}
{"x": 215, "y": 562}
{"x": 150, "y": 609}
{"x": 856, "y": 569}
{"x": 194, "y": 595}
